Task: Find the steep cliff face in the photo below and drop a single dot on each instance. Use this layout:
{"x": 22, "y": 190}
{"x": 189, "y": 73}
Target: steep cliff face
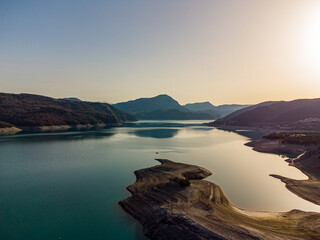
{"x": 27, "y": 110}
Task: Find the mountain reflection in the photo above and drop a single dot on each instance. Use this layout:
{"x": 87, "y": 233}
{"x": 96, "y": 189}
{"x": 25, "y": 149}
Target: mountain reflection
{"x": 252, "y": 135}
{"x": 157, "y": 133}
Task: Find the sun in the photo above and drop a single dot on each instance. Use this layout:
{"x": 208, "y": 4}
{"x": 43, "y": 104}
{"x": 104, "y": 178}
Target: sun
{"x": 310, "y": 40}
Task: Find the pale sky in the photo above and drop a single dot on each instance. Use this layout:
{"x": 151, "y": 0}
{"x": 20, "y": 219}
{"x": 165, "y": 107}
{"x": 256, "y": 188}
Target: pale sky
{"x": 222, "y": 51}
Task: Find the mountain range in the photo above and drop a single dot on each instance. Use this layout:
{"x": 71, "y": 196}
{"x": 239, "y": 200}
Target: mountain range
{"x": 221, "y": 110}
{"x": 28, "y": 110}
{"x": 301, "y": 114}
{"x": 164, "y": 107}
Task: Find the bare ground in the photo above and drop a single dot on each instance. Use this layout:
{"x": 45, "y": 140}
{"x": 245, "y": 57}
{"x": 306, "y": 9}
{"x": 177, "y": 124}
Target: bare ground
{"x": 202, "y": 211}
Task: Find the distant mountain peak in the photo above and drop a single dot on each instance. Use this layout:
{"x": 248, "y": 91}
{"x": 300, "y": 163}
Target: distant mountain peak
{"x": 200, "y": 106}
{"x": 164, "y": 106}
{"x": 163, "y": 95}
{"x": 222, "y": 110}
{"x": 159, "y": 102}
{"x": 72, "y": 99}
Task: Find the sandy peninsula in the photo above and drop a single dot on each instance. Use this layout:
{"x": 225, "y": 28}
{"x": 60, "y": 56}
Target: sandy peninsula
{"x": 168, "y": 209}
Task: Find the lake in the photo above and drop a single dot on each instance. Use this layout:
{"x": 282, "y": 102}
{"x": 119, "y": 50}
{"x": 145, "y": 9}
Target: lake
{"x": 67, "y": 185}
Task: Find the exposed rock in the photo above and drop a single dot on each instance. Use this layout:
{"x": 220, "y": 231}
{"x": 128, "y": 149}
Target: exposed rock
{"x": 272, "y": 146}
{"x": 202, "y": 211}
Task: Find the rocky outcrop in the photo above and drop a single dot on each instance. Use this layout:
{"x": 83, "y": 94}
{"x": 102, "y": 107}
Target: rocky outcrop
{"x": 202, "y": 211}
{"x": 273, "y": 146}
{"x": 34, "y": 111}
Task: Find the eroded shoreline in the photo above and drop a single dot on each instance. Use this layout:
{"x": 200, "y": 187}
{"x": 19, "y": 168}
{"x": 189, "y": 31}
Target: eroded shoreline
{"x": 202, "y": 211}
{"x": 308, "y": 162}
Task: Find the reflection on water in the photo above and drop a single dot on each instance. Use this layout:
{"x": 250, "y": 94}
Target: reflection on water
{"x": 164, "y": 124}
{"x": 252, "y": 135}
{"x": 68, "y": 184}
{"x": 157, "y": 133}
{"x": 62, "y": 136}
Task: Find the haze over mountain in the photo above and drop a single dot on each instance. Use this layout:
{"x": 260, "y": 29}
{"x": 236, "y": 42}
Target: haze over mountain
{"x": 301, "y": 114}
{"x": 27, "y": 110}
{"x": 199, "y": 106}
{"x": 207, "y": 107}
{"x": 162, "y": 107}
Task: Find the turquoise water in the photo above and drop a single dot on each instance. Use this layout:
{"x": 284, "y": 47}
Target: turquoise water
{"x": 67, "y": 185}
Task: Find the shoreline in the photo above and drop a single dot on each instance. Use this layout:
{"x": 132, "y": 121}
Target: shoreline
{"x": 202, "y": 211}
{"x": 268, "y": 129}
{"x": 307, "y": 161}
{"x": 55, "y": 128}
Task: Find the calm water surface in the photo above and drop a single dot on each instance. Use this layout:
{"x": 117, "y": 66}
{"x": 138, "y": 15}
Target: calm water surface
{"x": 68, "y": 184}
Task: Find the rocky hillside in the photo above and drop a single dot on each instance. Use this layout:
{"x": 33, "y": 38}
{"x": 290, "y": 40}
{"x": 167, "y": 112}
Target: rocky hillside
{"x": 27, "y": 110}
{"x": 303, "y": 114}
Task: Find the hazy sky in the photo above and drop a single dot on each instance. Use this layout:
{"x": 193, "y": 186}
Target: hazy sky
{"x": 226, "y": 51}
